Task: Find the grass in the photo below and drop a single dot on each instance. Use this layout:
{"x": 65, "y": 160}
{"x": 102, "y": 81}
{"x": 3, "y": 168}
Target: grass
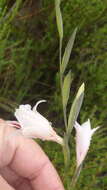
{"x": 29, "y": 72}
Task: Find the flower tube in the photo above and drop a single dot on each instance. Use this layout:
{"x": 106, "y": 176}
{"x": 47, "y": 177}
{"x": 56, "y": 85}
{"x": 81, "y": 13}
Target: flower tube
{"x": 83, "y": 139}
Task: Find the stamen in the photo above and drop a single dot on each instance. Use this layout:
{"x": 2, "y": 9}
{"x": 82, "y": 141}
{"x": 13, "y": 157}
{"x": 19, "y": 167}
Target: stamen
{"x": 35, "y": 107}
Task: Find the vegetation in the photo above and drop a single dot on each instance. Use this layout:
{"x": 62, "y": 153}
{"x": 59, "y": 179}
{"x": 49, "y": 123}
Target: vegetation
{"x": 29, "y": 49}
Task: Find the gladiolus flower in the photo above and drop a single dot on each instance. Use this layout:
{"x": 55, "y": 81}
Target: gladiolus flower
{"x": 34, "y": 125}
{"x": 83, "y": 139}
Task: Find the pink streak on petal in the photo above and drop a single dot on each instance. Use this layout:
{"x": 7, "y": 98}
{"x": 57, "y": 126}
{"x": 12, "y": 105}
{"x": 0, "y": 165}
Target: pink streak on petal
{"x": 14, "y": 124}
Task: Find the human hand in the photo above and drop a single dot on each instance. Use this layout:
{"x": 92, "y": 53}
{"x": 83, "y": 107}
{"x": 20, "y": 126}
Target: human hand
{"x": 23, "y": 164}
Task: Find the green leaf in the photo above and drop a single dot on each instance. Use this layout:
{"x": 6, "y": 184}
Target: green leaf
{"x": 66, "y": 151}
{"x": 67, "y": 52}
{"x": 75, "y": 109}
{"x": 66, "y": 88}
{"x": 59, "y": 18}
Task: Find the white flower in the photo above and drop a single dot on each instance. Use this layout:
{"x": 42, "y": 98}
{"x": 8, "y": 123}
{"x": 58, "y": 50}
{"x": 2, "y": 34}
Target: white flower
{"x": 83, "y": 139}
{"x": 34, "y": 125}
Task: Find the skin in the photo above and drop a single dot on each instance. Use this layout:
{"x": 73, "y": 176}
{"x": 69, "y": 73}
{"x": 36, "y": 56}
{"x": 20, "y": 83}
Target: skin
{"x": 23, "y": 164}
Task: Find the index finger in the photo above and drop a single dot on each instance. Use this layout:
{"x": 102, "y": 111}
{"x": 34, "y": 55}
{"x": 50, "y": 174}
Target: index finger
{"x": 28, "y": 160}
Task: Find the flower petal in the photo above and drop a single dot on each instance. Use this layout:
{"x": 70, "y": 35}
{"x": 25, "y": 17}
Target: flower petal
{"x": 87, "y": 124}
{"x": 94, "y": 130}
{"x": 34, "y": 125}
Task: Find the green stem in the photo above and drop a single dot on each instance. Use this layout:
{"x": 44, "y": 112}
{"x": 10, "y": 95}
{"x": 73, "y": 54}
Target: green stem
{"x": 76, "y": 175}
{"x": 65, "y": 117}
{"x": 60, "y": 54}
{"x": 61, "y": 81}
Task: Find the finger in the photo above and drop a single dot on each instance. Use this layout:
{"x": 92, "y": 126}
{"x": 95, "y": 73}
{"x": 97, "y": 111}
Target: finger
{"x": 27, "y": 159}
{"x": 14, "y": 180}
{"x": 4, "y": 185}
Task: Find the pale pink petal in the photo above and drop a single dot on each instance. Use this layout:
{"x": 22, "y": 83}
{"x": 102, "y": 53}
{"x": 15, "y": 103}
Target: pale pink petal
{"x": 83, "y": 139}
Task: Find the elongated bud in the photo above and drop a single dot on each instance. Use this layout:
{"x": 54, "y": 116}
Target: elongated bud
{"x": 83, "y": 139}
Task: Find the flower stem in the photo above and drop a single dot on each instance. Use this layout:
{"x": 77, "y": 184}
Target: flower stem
{"x": 76, "y": 175}
{"x": 61, "y": 81}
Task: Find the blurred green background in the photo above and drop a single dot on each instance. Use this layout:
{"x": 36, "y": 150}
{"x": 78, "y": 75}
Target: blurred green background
{"x": 29, "y": 66}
